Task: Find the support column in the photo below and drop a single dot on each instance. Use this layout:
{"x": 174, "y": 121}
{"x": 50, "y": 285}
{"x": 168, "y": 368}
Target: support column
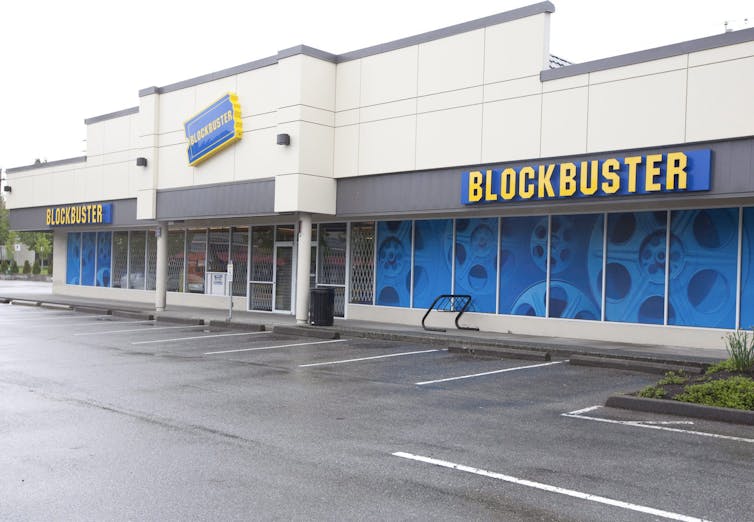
{"x": 303, "y": 267}
{"x": 161, "y": 285}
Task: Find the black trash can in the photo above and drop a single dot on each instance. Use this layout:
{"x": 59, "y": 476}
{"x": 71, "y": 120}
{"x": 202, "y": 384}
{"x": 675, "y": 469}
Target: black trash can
{"x": 321, "y": 306}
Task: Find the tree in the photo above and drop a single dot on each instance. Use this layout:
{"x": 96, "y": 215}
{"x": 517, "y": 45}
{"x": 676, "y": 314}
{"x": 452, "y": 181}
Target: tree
{"x": 39, "y": 242}
{"x": 27, "y": 267}
{"x": 36, "y": 269}
{"x": 4, "y": 223}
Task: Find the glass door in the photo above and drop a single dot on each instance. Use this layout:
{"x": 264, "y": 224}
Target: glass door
{"x": 283, "y": 276}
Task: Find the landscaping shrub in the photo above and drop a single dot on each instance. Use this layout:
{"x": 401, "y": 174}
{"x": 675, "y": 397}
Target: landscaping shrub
{"x": 740, "y": 347}
{"x": 36, "y": 269}
{"x": 27, "y": 268}
{"x": 735, "y": 392}
{"x": 652, "y": 392}
{"x": 4, "y": 266}
{"x": 13, "y": 267}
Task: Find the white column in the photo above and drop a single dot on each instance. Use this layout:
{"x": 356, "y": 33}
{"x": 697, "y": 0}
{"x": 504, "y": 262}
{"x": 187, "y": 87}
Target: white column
{"x": 160, "y": 297}
{"x": 302, "y": 268}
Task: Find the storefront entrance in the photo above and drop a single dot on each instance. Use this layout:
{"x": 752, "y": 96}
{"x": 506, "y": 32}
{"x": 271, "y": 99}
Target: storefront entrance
{"x": 272, "y": 268}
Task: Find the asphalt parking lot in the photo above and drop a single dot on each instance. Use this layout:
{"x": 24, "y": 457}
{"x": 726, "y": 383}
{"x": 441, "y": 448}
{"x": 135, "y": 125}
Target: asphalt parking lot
{"x": 117, "y": 419}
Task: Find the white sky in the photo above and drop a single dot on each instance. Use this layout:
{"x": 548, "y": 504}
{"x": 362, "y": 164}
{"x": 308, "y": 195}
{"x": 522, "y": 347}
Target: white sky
{"x": 62, "y": 61}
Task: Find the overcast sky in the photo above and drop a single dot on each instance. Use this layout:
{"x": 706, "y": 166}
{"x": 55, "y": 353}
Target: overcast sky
{"x": 66, "y": 60}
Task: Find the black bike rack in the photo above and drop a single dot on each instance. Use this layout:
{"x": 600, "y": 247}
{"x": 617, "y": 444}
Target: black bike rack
{"x": 449, "y": 303}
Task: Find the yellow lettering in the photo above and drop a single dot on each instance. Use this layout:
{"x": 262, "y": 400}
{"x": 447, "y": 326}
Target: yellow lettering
{"x": 676, "y": 170}
{"x": 567, "y": 179}
{"x": 588, "y": 180}
{"x": 632, "y": 162}
{"x": 475, "y": 186}
{"x": 544, "y": 184}
{"x": 99, "y": 213}
{"x": 650, "y": 185}
{"x": 489, "y": 195}
{"x": 610, "y": 170}
{"x": 508, "y": 184}
{"x": 525, "y": 178}
{"x": 48, "y": 217}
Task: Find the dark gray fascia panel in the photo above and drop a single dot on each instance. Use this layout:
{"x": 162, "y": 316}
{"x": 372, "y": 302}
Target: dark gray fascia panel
{"x": 508, "y": 16}
{"x": 56, "y": 163}
{"x": 535, "y": 9}
{"x": 33, "y": 219}
{"x": 112, "y": 115}
{"x": 658, "y": 53}
{"x": 438, "y": 191}
{"x": 244, "y": 198}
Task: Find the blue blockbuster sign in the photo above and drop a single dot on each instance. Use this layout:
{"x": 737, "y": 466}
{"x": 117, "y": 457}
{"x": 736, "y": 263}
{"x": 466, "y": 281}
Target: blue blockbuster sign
{"x": 213, "y": 129}
{"x": 80, "y": 214}
{"x": 614, "y": 176}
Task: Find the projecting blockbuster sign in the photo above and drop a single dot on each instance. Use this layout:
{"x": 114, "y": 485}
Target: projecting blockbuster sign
{"x": 648, "y": 174}
{"x": 213, "y": 129}
{"x": 80, "y": 214}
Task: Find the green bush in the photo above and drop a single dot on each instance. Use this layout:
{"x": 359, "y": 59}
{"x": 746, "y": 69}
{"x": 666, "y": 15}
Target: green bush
{"x": 740, "y": 347}
{"x": 13, "y": 267}
{"x": 36, "y": 269}
{"x": 736, "y": 392}
{"x": 652, "y": 392}
{"x": 27, "y": 267}
{"x": 724, "y": 366}
{"x": 49, "y": 266}
{"x": 4, "y": 266}
{"x": 674, "y": 378}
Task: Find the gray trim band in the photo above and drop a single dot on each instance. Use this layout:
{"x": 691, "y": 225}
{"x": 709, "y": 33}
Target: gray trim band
{"x": 112, "y": 115}
{"x": 243, "y": 198}
{"x": 515, "y": 14}
{"x": 658, "y": 53}
{"x": 508, "y": 16}
{"x": 56, "y": 163}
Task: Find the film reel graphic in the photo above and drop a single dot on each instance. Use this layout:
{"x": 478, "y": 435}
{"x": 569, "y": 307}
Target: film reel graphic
{"x": 394, "y": 263}
{"x": 73, "y": 259}
{"x": 88, "y": 251}
{"x": 103, "y": 259}
{"x": 433, "y": 260}
{"x": 476, "y": 261}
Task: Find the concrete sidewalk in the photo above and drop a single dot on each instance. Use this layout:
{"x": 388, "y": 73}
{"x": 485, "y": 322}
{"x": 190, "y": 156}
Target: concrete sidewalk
{"x": 486, "y": 343}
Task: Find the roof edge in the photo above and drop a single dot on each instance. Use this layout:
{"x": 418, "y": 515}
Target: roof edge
{"x": 648, "y": 55}
{"x": 56, "y": 163}
{"x": 111, "y": 115}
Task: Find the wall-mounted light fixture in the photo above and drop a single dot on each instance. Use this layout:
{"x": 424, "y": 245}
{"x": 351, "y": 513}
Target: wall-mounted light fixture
{"x": 141, "y": 162}
{"x": 7, "y": 188}
{"x": 284, "y": 139}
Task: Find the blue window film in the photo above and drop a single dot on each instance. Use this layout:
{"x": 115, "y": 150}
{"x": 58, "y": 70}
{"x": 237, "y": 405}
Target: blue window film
{"x": 73, "y": 259}
{"x": 523, "y": 265}
{"x": 476, "y": 262}
{"x": 433, "y": 260}
{"x": 88, "y": 253}
{"x": 393, "y": 263}
{"x": 104, "y": 255}
{"x": 635, "y": 267}
{"x": 703, "y": 267}
{"x": 747, "y": 270}
{"x": 576, "y": 266}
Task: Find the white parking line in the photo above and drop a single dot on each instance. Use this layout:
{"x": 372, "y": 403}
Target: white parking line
{"x": 144, "y": 329}
{"x": 102, "y": 322}
{"x": 274, "y": 347}
{"x": 197, "y": 337}
{"x": 371, "y": 358}
{"x": 489, "y": 373}
{"x": 549, "y": 488}
{"x": 650, "y": 425}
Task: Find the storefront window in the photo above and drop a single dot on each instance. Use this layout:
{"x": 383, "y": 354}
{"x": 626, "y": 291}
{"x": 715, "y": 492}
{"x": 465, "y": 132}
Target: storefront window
{"x": 176, "y": 257}
{"x": 523, "y": 265}
{"x": 196, "y": 241}
{"x": 433, "y": 260}
{"x": 362, "y": 263}
{"x": 218, "y": 250}
{"x": 261, "y": 270}
{"x": 104, "y": 244}
{"x": 88, "y": 258}
{"x": 151, "y": 260}
{"x": 476, "y": 262}
{"x": 393, "y": 263}
{"x": 747, "y": 270}
{"x": 120, "y": 260}
{"x": 331, "y": 250}
{"x": 239, "y": 252}
{"x": 576, "y": 266}
{"x": 703, "y": 267}
{"x": 136, "y": 254}
{"x": 635, "y": 267}
{"x": 73, "y": 259}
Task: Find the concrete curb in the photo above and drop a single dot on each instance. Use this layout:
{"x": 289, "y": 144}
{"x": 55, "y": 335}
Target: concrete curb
{"x": 180, "y": 320}
{"x": 686, "y": 409}
{"x": 251, "y": 327}
{"x": 633, "y": 365}
{"x": 500, "y": 353}
{"x": 305, "y": 331}
{"x": 92, "y": 310}
{"x": 131, "y": 314}
{"x": 24, "y": 302}
{"x": 56, "y": 306}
